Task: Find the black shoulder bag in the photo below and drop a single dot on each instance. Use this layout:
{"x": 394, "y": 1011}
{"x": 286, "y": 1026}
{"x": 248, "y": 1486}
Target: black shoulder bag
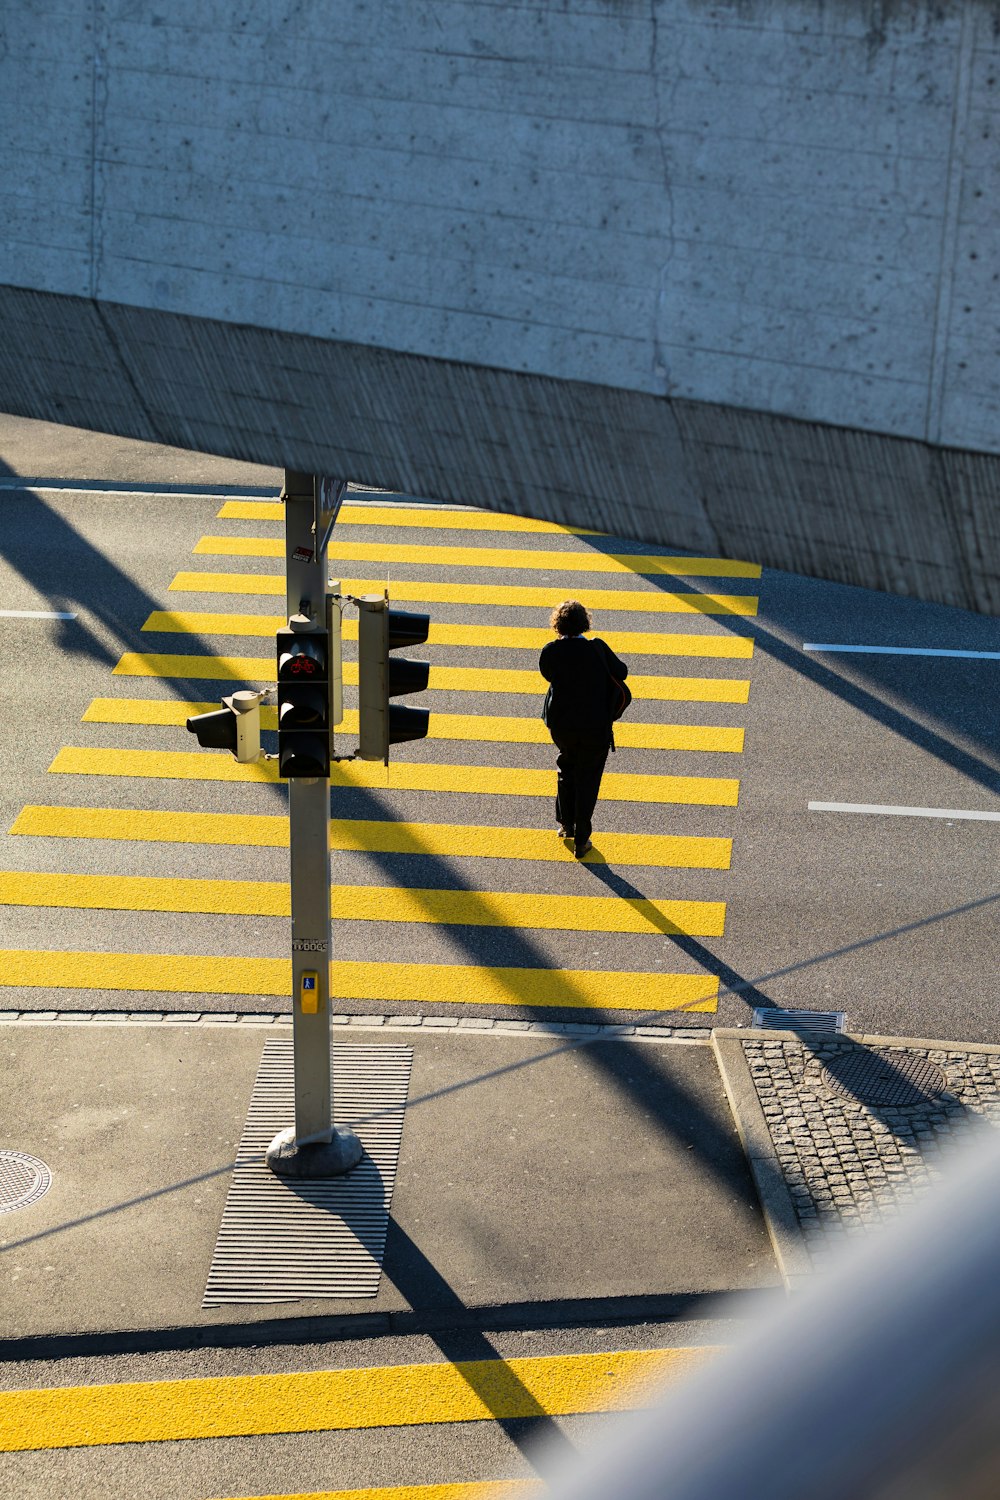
{"x": 619, "y": 696}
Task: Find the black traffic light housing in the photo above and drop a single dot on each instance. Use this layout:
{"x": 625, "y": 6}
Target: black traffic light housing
{"x": 382, "y": 677}
{"x": 234, "y": 727}
{"x": 303, "y": 650}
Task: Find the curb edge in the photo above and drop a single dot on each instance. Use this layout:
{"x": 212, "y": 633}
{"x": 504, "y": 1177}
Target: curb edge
{"x": 782, "y": 1223}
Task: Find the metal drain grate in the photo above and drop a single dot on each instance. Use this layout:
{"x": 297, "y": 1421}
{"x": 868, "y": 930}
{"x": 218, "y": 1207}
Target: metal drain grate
{"x": 282, "y": 1240}
{"x": 892, "y": 1080}
{"x": 805, "y": 1022}
{"x": 23, "y": 1180}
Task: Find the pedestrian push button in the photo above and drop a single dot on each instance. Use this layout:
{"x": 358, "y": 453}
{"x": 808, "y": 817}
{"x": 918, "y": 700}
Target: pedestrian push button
{"x": 309, "y": 993}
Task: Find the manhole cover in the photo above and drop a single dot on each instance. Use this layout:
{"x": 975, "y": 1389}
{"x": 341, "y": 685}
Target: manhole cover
{"x": 895, "y": 1080}
{"x": 23, "y": 1180}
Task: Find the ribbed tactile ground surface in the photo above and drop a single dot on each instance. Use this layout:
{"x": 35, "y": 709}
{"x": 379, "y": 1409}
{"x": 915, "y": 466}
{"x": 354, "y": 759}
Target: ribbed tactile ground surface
{"x": 281, "y": 1240}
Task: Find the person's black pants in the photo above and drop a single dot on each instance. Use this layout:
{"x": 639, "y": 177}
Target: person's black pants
{"x": 581, "y": 765}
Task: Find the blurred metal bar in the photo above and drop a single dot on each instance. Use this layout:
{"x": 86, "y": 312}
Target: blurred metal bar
{"x": 879, "y": 1383}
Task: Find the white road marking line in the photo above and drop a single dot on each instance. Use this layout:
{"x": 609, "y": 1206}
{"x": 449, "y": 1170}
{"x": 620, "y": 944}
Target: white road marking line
{"x": 364, "y": 496}
{"x": 901, "y": 651}
{"x": 906, "y": 812}
{"x": 35, "y": 614}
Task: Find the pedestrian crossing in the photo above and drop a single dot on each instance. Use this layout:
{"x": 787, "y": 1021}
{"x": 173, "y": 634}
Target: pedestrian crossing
{"x": 272, "y": 898}
{"x": 452, "y": 518}
{"x": 471, "y": 759}
{"x": 195, "y": 765}
{"x": 389, "y": 981}
{"x": 517, "y": 638}
{"x": 510, "y": 559}
{"x": 374, "y": 836}
{"x": 442, "y": 680}
{"x": 500, "y": 596}
{"x": 475, "y": 727}
{"x": 486, "y": 1489}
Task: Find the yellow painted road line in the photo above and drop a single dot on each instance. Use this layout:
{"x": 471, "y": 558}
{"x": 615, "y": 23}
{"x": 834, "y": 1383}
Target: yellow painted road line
{"x": 649, "y": 601}
{"x": 503, "y": 637}
{"x": 510, "y": 559}
{"x": 373, "y": 836}
{"x": 441, "y": 680}
{"x": 421, "y": 984}
{"x": 478, "y": 728}
{"x": 338, "y": 1400}
{"x": 485, "y": 1489}
{"x": 408, "y": 515}
{"x": 352, "y": 903}
{"x": 402, "y": 776}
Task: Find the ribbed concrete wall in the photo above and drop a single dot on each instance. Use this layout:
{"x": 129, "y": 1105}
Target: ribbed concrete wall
{"x": 717, "y": 274}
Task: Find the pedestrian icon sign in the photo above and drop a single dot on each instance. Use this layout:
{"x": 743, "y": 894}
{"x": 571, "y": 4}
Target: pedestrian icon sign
{"x": 309, "y": 993}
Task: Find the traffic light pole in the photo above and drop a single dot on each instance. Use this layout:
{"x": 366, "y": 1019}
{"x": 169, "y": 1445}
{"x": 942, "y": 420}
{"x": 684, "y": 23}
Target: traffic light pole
{"x": 313, "y": 1147}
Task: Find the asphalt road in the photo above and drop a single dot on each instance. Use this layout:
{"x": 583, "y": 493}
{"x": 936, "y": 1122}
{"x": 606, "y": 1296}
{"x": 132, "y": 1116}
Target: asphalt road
{"x": 367, "y": 1458}
{"x": 890, "y": 919}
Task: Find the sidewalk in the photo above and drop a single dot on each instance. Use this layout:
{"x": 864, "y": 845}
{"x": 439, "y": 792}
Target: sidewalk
{"x": 543, "y": 1177}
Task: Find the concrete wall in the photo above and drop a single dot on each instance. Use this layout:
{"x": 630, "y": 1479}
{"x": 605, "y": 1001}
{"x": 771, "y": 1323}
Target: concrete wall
{"x": 664, "y": 226}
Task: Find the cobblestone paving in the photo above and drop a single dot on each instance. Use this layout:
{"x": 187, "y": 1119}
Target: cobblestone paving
{"x": 848, "y": 1164}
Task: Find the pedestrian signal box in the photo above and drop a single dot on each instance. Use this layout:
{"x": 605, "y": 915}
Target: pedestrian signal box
{"x": 304, "y": 725}
{"x": 309, "y": 992}
{"x": 382, "y": 677}
{"x": 234, "y": 727}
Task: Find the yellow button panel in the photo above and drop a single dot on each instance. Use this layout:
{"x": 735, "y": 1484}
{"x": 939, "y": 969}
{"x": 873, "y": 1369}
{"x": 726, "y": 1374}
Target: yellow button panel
{"x": 309, "y": 992}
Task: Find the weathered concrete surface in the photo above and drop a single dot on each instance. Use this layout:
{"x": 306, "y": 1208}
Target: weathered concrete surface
{"x": 689, "y": 270}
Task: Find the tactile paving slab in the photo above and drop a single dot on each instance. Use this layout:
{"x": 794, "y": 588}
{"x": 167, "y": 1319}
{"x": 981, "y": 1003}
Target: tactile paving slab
{"x": 282, "y": 1240}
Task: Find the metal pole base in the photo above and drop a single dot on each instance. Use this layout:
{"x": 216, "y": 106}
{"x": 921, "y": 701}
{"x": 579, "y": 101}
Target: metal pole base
{"x": 313, "y": 1158}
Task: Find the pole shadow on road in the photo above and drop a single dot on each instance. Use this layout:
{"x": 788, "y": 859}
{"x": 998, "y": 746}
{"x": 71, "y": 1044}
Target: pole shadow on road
{"x": 640, "y": 1077}
{"x": 837, "y": 1052}
{"x": 425, "y": 1289}
{"x": 74, "y": 575}
{"x": 488, "y": 1375}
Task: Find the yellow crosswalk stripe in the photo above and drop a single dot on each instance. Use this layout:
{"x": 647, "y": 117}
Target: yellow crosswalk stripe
{"x": 422, "y": 984}
{"x": 484, "y": 1489}
{"x": 408, "y": 515}
{"x": 267, "y": 898}
{"x": 504, "y": 637}
{"x": 174, "y": 713}
{"x": 511, "y": 559}
{"x": 648, "y": 601}
{"x": 441, "y": 680}
{"x": 338, "y": 1400}
{"x": 481, "y": 728}
{"x": 373, "y": 836}
{"x": 402, "y": 776}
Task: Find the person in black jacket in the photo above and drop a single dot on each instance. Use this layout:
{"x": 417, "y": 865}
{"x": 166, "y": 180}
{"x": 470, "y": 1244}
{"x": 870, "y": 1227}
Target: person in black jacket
{"x": 577, "y": 713}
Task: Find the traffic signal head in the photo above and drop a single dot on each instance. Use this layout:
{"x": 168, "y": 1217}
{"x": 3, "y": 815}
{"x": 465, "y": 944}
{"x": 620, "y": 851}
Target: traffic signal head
{"x": 382, "y": 677}
{"x": 234, "y": 727}
{"x": 303, "y": 699}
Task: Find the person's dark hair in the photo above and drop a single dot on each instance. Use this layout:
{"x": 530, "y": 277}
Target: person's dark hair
{"x": 570, "y": 618}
